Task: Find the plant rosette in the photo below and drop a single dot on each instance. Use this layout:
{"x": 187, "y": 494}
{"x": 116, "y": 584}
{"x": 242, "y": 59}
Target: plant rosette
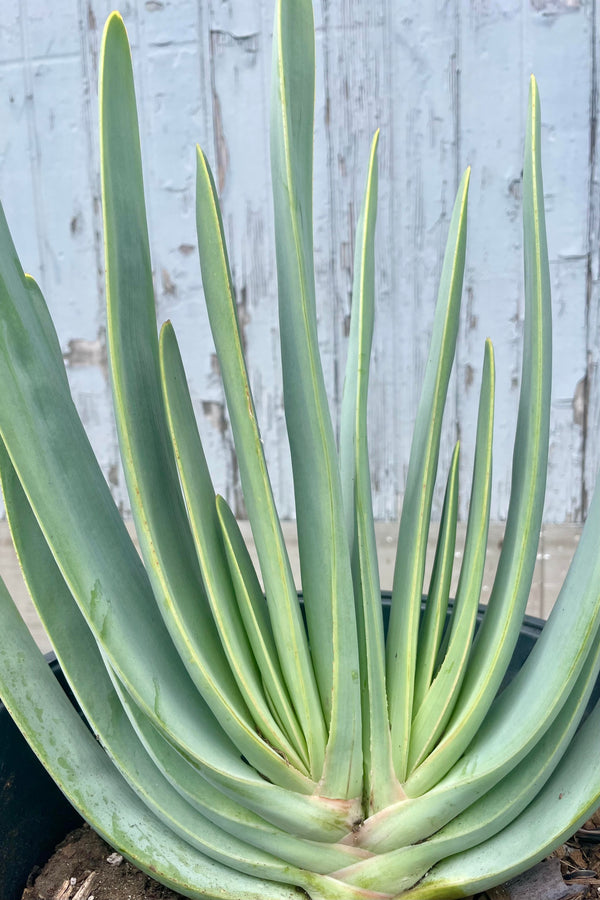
{"x": 37, "y": 816}
{"x": 233, "y": 751}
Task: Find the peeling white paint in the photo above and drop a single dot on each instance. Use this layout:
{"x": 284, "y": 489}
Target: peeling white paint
{"x": 447, "y": 85}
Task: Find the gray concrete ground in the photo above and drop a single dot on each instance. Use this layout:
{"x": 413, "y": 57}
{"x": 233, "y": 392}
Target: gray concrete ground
{"x": 557, "y": 546}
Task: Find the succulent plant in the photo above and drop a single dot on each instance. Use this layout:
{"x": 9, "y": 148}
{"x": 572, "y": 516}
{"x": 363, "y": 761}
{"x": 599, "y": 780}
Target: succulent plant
{"x": 234, "y": 748}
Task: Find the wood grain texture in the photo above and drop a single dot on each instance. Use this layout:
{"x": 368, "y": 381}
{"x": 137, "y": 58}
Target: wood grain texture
{"x": 446, "y": 82}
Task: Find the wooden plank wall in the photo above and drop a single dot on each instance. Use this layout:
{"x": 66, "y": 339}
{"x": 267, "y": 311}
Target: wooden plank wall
{"x": 446, "y": 82}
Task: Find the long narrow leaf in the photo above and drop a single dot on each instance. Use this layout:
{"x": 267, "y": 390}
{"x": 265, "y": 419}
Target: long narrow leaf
{"x": 148, "y": 459}
{"x": 254, "y": 613}
{"x": 83, "y": 666}
{"x": 436, "y": 607}
{"x": 398, "y": 869}
{"x": 575, "y": 782}
{"x": 510, "y": 731}
{"x": 92, "y": 784}
{"x": 438, "y": 704}
{"x": 78, "y": 516}
{"x": 201, "y": 505}
{"x": 380, "y": 783}
{"x": 322, "y": 542}
{"x": 420, "y": 481}
{"x": 288, "y": 627}
{"x": 500, "y": 629}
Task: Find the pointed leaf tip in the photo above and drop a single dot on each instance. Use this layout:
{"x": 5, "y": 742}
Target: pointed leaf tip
{"x": 115, "y": 46}
{"x": 114, "y": 17}
{"x": 202, "y": 163}
{"x": 166, "y": 330}
{"x": 534, "y": 96}
{"x": 115, "y": 26}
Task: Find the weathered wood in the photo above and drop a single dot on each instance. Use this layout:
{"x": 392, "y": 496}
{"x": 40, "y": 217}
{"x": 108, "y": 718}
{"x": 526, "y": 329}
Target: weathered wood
{"x": 493, "y": 102}
{"x": 591, "y": 465}
{"x": 239, "y": 49}
{"x": 447, "y": 84}
{"x": 351, "y": 104}
{"x": 542, "y": 882}
{"x": 552, "y": 48}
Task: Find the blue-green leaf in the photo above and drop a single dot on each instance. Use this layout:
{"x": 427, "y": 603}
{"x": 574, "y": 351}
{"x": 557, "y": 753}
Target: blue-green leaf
{"x": 323, "y": 546}
{"x": 499, "y": 631}
{"x": 416, "y": 508}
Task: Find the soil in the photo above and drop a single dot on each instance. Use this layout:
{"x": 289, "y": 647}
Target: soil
{"x": 84, "y": 867}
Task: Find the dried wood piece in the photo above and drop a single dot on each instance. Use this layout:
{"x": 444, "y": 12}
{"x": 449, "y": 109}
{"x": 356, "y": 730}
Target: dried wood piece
{"x": 84, "y": 891}
{"x": 543, "y": 882}
{"x": 64, "y": 891}
{"x": 589, "y": 835}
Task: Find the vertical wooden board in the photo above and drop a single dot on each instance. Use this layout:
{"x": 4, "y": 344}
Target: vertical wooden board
{"x": 57, "y": 199}
{"x": 388, "y": 466}
{"x": 72, "y": 253}
{"x": 171, "y": 64}
{"x": 17, "y": 192}
{"x": 10, "y": 32}
{"x": 493, "y": 98}
{"x": 565, "y": 457}
{"x": 323, "y": 218}
{"x": 17, "y": 164}
{"x": 92, "y": 17}
{"x": 68, "y": 276}
{"x": 423, "y": 48}
{"x": 275, "y": 439}
{"x": 557, "y": 45}
{"x": 591, "y": 467}
{"x": 19, "y": 147}
{"x": 89, "y": 388}
{"x": 171, "y": 22}
{"x": 240, "y": 20}
{"x": 174, "y": 129}
{"x": 87, "y": 358}
{"x": 352, "y": 102}
{"x": 52, "y": 29}
{"x": 168, "y": 56}
{"x": 240, "y": 91}
{"x": 384, "y": 64}
{"x": 592, "y": 393}
{"x": 93, "y": 14}
{"x": 176, "y": 85}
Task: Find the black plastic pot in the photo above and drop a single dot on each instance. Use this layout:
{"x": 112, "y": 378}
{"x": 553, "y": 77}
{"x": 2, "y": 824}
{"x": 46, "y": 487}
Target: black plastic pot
{"x": 35, "y": 816}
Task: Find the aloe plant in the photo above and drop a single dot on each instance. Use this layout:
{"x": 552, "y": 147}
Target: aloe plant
{"x": 232, "y": 750}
